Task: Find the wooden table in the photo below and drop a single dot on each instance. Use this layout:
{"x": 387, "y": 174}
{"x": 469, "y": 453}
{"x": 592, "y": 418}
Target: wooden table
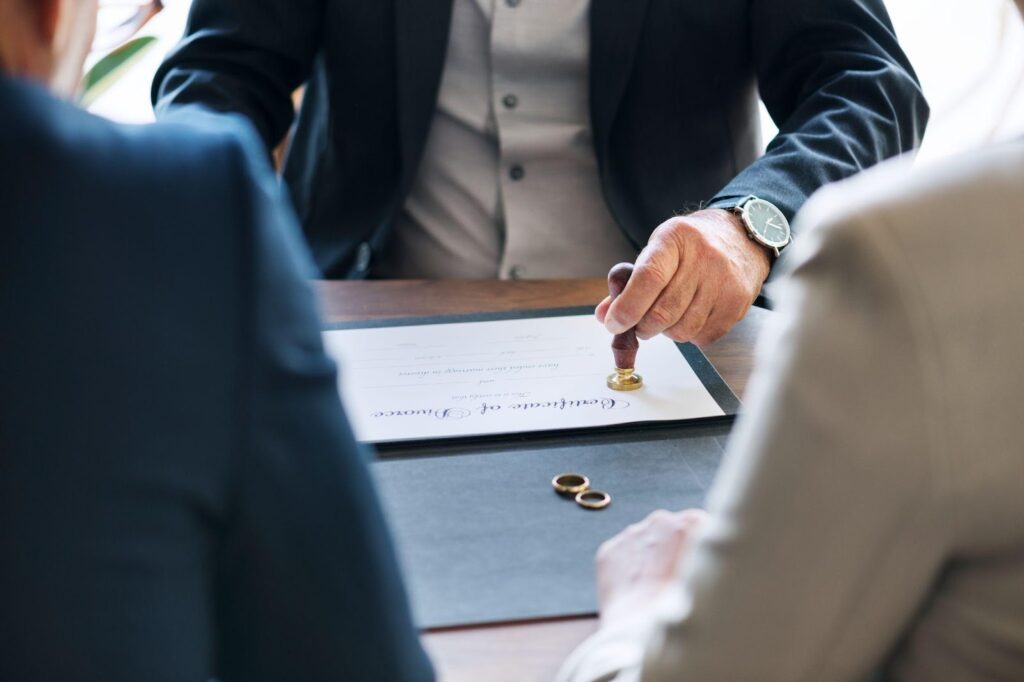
{"x": 525, "y": 652}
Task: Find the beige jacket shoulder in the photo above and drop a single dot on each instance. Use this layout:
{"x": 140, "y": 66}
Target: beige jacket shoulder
{"x": 869, "y": 514}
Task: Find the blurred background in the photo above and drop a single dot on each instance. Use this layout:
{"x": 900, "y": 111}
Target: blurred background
{"x": 969, "y": 56}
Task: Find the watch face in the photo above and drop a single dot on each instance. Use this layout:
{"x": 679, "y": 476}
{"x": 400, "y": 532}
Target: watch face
{"x": 767, "y": 222}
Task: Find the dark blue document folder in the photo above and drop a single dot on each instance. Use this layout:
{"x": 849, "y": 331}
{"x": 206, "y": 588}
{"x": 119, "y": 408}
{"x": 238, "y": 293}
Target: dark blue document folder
{"x": 484, "y": 538}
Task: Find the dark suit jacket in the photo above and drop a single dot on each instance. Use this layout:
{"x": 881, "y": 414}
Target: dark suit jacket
{"x": 180, "y": 495}
{"x": 674, "y": 87}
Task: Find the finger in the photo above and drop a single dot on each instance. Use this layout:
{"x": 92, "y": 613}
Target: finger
{"x": 694, "y": 319}
{"x": 712, "y": 332}
{"x": 654, "y": 269}
{"x": 602, "y": 309}
{"x": 665, "y": 543}
{"x": 665, "y": 527}
{"x": 693, "y": 517}
{"x": 689, "y": 523}
{"x": 727, "y": 311}
{"x": 671, "y": 305}
{"x": 664, "y": 519}
{"x": 680, "y": 522}
{"x": 661, "y": 522}
{"x": 659, "y": 516}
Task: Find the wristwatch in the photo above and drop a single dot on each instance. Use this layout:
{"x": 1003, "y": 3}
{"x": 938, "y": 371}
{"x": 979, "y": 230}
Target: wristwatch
{"x": 765, "y": 223}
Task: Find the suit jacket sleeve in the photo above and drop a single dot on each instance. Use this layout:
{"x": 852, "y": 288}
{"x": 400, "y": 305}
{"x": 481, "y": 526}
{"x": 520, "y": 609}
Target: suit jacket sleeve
{"x": 309, "y": 585}
{"x": 826, "y": 530}
{"x": 841, "y": 90}
{"x": 243, "y": 56}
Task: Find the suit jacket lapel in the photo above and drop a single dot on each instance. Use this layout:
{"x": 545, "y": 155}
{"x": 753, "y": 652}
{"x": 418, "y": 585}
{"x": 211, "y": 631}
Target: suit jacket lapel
{"x": 615, "y": 27}
{"x": 421, "y": 41}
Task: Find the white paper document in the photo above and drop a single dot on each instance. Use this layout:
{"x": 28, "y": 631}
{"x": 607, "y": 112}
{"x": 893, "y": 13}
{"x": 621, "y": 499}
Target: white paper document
{"x": 501, "y": 377}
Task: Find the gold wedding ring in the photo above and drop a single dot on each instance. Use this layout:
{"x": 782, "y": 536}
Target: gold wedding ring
{"x": 593, "y": 499}
{"x": 578, "y": 485}
{"x": 570, "y": 484}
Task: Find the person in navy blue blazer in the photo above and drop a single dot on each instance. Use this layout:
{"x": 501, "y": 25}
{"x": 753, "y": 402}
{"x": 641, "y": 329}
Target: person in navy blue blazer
{"x": 540, "y": 139}
{"x": 181, "y": 497}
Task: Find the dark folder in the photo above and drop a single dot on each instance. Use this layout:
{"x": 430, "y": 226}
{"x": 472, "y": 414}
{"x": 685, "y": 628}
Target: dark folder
{"x": 482, "y": 535}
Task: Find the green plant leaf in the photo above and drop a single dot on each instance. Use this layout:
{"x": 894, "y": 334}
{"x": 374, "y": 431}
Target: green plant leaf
{"x": 108, "y": 69}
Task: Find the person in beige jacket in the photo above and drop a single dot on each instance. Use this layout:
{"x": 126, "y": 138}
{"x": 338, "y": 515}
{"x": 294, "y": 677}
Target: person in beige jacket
{"x": 868, "y": 519}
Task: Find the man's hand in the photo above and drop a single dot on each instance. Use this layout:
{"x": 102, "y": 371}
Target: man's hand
{"x": 696, "y": 278}
{"x": 638, "y": 563}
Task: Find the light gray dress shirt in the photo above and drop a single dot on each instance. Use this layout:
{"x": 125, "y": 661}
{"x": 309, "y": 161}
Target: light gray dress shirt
{"x": 508, "y": 186}
{"x": 869, "y": 513}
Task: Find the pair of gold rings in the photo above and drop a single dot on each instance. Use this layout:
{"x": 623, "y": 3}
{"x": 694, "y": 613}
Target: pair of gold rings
{"x": 578, "y": 485}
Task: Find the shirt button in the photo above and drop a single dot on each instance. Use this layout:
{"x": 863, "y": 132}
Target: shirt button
{"x": 517, "y": 272}
{"x": 363, "y": 256}
{"x": 510, "y": 101}
{"x": 517, "y": 173}
{"x": 513, "y": 3}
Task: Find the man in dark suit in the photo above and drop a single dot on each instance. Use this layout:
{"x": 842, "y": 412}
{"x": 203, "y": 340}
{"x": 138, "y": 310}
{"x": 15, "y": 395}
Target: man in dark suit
{"x": 531, "y": 138}
{"x": 180, "y": 495}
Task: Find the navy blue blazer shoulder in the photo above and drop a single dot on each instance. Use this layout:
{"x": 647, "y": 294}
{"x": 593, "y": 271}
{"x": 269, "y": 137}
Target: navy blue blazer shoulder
{"x": 674, "y": 90}
{"x": 180, "y": 495}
